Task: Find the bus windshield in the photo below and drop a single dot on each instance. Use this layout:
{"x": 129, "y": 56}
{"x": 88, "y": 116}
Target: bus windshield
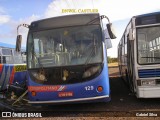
{"x": 65, "y": 46}
{"x": 148, "y": 45}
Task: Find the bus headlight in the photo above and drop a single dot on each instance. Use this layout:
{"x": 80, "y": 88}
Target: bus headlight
{"x": 148, "y": 82}
{"x": 91, "y": 71}
{"x": 39, "y": 76}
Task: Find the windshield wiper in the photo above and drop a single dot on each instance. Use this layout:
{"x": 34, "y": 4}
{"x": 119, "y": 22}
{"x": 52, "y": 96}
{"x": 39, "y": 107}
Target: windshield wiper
{"x": 92, "y": 51}
{"x": 38, "y": 60}
{"x": 91, "y": 54}
{"x": 151, "y": 57}
{"x": 89, "y": 57}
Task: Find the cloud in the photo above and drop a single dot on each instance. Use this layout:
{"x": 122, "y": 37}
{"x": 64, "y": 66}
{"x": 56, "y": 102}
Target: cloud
{"x": 23, "y": 31}
{"x": 4, "y": 18}
{"x": 1, "y": 10}
{"x": 123, "y": 9}
{"x": 114, "y": 9}
{"x": 10, "y": 36}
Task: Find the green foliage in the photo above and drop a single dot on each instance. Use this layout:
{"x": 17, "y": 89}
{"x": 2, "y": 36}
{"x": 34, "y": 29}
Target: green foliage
{"x": 112, "y": 60}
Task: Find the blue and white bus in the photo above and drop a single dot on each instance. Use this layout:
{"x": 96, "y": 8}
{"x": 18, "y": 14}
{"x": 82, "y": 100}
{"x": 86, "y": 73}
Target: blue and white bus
{"x": 139, "y": 55}
{"x": 12, "y": 67}
{"x": 67, "y": 59}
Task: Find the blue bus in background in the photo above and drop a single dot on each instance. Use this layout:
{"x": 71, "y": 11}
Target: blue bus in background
{"x": 12, "y": 67}
{"x": 67, "y": 59}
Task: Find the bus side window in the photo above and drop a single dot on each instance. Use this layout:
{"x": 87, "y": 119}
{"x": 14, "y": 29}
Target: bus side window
{"x": 2, "y": 59}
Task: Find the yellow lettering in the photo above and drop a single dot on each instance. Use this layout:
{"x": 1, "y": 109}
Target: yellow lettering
{"x": 68, "y": 10}
{"x": 79, "y": 10}
{"x": 63, "y": 10}
{"x": 19, "y": 68}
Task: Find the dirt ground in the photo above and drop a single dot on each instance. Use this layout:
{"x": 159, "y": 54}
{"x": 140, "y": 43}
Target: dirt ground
{"x": 113, "y": 64}
{"x": 123, "y": 105}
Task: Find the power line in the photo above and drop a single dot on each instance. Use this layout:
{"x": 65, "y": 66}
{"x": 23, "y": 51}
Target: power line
{"x": 55, "y": 6}
{"x": 60, "y": 6}
{"x": 67, "y": 3}
{"x": 73, "y": 4}
{"x": 93, "y": 4}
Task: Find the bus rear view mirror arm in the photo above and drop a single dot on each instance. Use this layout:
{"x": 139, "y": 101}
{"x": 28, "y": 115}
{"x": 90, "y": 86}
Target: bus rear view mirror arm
{"x": 110, "y": 28}
{"x": 19, "y": 37}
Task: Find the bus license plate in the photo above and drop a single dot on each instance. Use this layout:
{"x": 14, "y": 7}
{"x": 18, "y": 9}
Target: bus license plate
{"x": 65, "y": 94}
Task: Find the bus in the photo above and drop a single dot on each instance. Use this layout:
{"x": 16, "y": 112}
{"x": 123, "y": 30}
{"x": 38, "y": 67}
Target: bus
{"x": 12, "y": 67}
{"x": 139, "y": 55}
{"x": 67, "y": 59}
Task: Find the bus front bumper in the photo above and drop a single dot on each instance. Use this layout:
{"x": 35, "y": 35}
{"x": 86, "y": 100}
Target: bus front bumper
{"x": 148, "y": 92}
{"x": 105, "y": 98}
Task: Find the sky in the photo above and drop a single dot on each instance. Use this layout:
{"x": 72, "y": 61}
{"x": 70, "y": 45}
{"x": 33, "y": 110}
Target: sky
{"x": 15, "y": 12}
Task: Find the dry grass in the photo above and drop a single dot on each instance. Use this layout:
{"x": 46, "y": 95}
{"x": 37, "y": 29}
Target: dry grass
{"x": 113, "y": 64}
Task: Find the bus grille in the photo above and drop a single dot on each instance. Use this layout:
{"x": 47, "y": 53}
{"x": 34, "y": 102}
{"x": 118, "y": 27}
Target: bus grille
{"x": 146, "y": 73}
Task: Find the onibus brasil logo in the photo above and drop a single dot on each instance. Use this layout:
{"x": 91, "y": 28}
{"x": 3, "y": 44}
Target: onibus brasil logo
{"x": 14, "y": 114}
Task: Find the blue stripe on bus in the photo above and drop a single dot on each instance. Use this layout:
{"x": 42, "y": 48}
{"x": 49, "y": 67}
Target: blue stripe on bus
{"x": 149, "y": 73}
{"x": 6, "y": 74}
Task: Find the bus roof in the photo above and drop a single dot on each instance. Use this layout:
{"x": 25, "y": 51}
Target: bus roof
{"x": 64, "y": 21}
{"x": 148, "y": 18}
{"x": 148, "y": 14}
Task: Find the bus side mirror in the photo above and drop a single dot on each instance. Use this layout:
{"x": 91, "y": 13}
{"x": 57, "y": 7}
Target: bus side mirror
{"x": 108, "y": 43}
{"x": 131, "y": 34}
{"x": 107, "y": 39}
{"x": 18, "y": 43}
{"x": 111, "y": 31}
